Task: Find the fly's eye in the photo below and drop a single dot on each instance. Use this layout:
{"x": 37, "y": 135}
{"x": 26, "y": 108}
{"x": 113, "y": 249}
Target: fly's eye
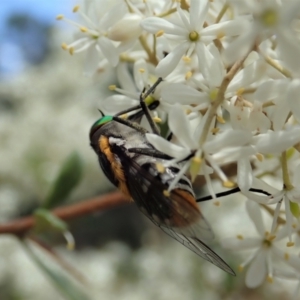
{"x": 99, "y": 123}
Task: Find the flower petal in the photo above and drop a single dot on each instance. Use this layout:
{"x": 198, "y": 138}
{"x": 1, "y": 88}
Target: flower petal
{"x": 293, "y": 98}
{"x": 169, "y": 63}
{"x": 183, "y": 94}
{"x": 254, "y": 212}
{"x": 155, "y": 24}
{"x": 198, "y": 11}
{"x": 180, "y": 127}
{"x": 277, "y": 142}
{"x": 240, "y": 244}
{"x": 109, "y": 50}
{"x": 229, "y": 138}
{"x": 244, "y": 174}
{"x": 257, "y": 271}
{"x": 166, "y": 147}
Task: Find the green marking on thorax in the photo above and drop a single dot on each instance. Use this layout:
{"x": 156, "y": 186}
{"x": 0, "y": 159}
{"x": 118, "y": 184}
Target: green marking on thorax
{"x": 102, "y": 121}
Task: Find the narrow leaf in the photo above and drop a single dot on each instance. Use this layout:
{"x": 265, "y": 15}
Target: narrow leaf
{"x": 64, "y": 284}
{"x": 67, "y": 179}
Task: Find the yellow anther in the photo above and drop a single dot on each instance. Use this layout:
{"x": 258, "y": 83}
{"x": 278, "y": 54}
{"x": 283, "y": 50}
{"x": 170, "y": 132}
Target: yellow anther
{"x": 142, "y": 70}
{"x": 112, "y": 87}
{"x": 240, "y": 237}
{"x": 124, "y": 116}
{"x": 71, "y": 50}
{"x": 286, "y": 256}
{"x": 271, "y": 237}
{"x": 290, "y": 244}
{"x": 240, "y": 268}
{"x": 220, "y": 120}
{"x": 160, "y": 168}
{"x": 75, "y": 8}
{"x": 83, "y": 29}
{"x": 59, "y": 17}
{"x": 215, "y": 130}
{"x": 64, "y": 46}
{"x": 195, "y": 167}
{"x": 159, "y": 33}
{"x": 259, "y": 156}
{"x": 228, "y": 184}
{"x": 188, "y": 75}
{"x": 240, "y": 91}
{"x": 270, "y": 279}
{"x": 186, "y": 59}
{"x": 157, "y": 120}
{"x": 166, "y": 193}
{"x": 217, "y": 203}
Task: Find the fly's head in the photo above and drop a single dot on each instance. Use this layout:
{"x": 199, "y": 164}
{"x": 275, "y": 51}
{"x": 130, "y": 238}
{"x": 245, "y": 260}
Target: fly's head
{"x": 95, "y": 130}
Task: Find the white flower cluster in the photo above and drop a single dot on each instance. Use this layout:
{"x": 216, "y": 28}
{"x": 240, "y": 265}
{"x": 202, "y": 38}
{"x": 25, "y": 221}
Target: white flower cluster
{"x": 230, "y": 94}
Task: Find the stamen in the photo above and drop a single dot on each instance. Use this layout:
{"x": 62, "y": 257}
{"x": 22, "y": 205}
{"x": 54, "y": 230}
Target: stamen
{"x": 75, "y": 8}
{"x": 159, "y": 33}
{"x": 188, "y": 75}
{"x": 186, "y": 59}
{"x": 166, "y": 193}
{"x": 64, "y": 46}
{"x": 157, "y": 120}
{"x": 259, "y": 156}
{"x": 275, "y": 217}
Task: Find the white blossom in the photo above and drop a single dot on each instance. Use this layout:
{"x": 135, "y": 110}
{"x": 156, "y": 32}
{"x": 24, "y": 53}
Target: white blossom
{"x": 229, "y": 96}
{"x": 264, "y": 249}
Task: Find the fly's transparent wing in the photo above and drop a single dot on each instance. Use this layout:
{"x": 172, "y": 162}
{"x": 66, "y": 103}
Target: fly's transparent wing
{"x": 148, "y": 193}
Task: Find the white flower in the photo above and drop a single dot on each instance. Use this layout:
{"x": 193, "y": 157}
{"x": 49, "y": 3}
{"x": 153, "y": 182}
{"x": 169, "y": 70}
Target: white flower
{"x": 190, "y": 35}
{"x": 97, "y": 35}
{"x": 265, "y": 252}
{"x": 129, "y": 94}
{"x": 269, "y": 19}
{"x": 187, "y": 133}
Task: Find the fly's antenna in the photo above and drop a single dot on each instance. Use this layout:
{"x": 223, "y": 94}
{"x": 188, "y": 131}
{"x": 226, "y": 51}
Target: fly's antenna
{"x": 230, "y": 192}
{"x": 125, "y": 111}
{"x": 101, "y": 112}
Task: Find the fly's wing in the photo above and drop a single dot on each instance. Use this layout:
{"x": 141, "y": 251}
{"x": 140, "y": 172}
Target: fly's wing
{"x": 197, "y": 246}
{"x": 147, "y": 192}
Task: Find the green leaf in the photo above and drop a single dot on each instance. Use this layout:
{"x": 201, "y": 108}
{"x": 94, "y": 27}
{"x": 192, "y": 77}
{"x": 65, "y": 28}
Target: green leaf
{"x": 45, "y": 220}
{"x": 67, "y": 179}
{"x": 64, "y": 284}
{"x": 294, "y": 207}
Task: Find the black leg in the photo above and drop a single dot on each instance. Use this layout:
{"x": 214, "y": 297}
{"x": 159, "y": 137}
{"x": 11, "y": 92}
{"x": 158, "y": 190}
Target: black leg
{"x": 145, "y": 108}
{"x": 233, "y": 191}
{"x": 150, "y": 152}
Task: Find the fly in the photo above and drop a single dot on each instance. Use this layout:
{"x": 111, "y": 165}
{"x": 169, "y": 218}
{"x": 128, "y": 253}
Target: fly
{"x": 131, "y": 163}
